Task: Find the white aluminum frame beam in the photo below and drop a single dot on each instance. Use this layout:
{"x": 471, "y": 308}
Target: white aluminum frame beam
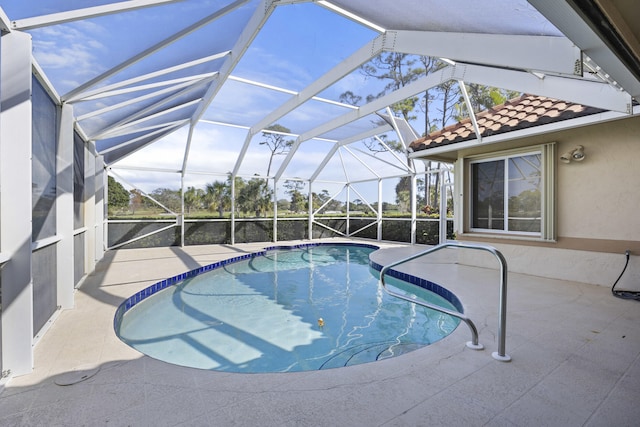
{"x": 5, "y": 22}
{"x": 364, "y": 198}
{"x": 581, "y": 91}
{"x": 157, "y": 130}
{"x": 89, "y": 12}
{"x": 128, "y": 130}
{"x": 394, "y": 124}
{"x": 363, "y": 163}
{"x": 362, "y": 55}
{"x": 472, "y": 114}
{"x": 158, "y": 46}
{"x": 185, "y": 159}
{"x": 65, "y": 248}
{"x": 161, "y": 135}
{"x": 16, "y": 322}
{"x": 94, "y": 94}
{"x": 336, "y": 194}
{"x": 344, "y": 169}
{"x": 181, "y": 82}
{"x": 134, "y": 100}
{"x": 404, "y": 168}
{"x": 324, "y": 162}
{"x": 420, "y": 85}
{"x": 289, "y": 91}
{"x": 367, "y": 134}
{"x": 370, "y": 133}
{"x": 144, "y": 169}
{"x": 142, "y": 192}
{"x": 349, "y": 15}
{"x": 386, "y": 177}
{"x": 394, "y": 154}
{"x": 116, "y": 131}
{"x": 140, "y": 115}
{"x": 251, "y": 30}
{"x": 557, "y": 55}
{"x": 567, "y": 20}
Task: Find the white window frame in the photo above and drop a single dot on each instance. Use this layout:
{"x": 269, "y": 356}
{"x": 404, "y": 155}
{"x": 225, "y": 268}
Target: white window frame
{"x": 547, "y": 186}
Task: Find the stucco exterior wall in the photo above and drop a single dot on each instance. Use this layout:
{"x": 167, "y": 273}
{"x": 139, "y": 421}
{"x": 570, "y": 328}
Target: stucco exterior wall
{"x": 599, "y": 198}
{"x": 597, "y": 210}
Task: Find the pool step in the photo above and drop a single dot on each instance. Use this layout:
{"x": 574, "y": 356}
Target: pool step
{"x": 369, "y": 352}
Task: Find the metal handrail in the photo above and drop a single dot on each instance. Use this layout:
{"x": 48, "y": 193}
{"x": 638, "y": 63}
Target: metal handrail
{"x": 502, "y": 314}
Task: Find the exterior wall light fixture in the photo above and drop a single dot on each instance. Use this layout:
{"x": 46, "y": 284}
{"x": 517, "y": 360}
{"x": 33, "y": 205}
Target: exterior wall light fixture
{"x": 577, "y": 155}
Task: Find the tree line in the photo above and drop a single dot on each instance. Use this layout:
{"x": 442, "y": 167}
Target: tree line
{"x": 254, "y": 198}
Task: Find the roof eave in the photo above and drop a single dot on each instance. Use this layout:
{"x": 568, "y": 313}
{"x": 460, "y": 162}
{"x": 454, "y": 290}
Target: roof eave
{"x": 445, "y": 151}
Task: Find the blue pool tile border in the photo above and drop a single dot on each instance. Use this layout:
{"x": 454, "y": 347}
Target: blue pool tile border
{"x": 423, "y": 283}
{"x": 140, "y": 296}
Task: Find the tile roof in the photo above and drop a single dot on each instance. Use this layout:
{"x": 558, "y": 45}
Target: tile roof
{"x": 518, "y": 113}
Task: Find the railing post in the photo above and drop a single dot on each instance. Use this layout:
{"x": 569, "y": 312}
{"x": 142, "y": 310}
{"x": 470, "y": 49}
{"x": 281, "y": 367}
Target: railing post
{"x": 502, "y": 311}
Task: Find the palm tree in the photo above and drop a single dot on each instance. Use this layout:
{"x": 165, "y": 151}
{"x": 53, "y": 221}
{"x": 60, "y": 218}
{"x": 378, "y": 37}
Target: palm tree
{"x": 255, "y": 196}
{"x": 192, "y": 198}
{"x": 217, "y": 197}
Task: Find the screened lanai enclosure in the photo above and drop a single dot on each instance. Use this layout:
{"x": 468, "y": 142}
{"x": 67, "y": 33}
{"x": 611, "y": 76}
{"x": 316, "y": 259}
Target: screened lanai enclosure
{"x": 164, "y": 122}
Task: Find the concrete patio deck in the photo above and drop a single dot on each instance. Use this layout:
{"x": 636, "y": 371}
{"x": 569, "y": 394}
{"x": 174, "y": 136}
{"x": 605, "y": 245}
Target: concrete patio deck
{"x": 575, "y": 350}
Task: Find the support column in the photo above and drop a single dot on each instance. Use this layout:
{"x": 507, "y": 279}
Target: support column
{"x": 233, "y": 209}
{"x": 181, "y": 216}
{"x": 458, "y": 196}
{"x": 414, "y": 191}
{"x": 379, "y": 219}
{"x": 15, "y": 203}
{"x": 310, "y": 203}
{"x": 93, "y": 208}
{"x": 275, "y": 209}
{"x": 443, "y": 208}
{"x": 348, "y": 230}
{"x": 104, "y": 193}
{"x": 64, "y": 208}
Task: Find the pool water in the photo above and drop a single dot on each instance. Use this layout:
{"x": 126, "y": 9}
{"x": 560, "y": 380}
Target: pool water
{"x": 308, "y": 308}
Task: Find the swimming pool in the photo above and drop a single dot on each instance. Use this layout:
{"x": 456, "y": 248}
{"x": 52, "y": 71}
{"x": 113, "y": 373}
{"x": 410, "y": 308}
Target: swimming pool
{"x": 299, "y": 308}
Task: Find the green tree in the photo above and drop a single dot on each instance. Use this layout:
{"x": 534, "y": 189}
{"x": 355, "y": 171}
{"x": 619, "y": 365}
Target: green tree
{"x": 283, "y": 204}
{"x": 323, "y": 197}
{"x": 482, "y": 98}
{"x": 193, "y": 198}
{"x": 297, "y": 198}
{"x": 255, "y": 197}
{"x": 403, "y": 193}
{"x": 217, "y": 197}
{"x": 398, "y": 69}
{"x": 137, "y": 200}
{"x": 118, "y": 196}
{"x": 276, "y": 141}
{"x": 320, "y": 199}
{"x": 168, "y": 197}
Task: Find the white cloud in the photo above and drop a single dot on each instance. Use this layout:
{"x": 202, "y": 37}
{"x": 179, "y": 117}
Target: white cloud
{"x": 69, "y": 53}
